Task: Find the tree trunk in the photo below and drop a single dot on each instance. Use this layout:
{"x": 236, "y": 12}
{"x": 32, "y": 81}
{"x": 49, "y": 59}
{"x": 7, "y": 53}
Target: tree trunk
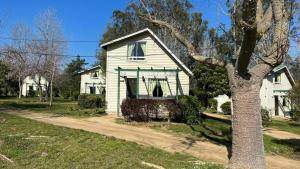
{"x": 51, "y": 82}
{"x": 247, "y": 143}
{"x": 40, "y": 88}
{"x": 20, "y": 88}
{"x": 51, "y": 92}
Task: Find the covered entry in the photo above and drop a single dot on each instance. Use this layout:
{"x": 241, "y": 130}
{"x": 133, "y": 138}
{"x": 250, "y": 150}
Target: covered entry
{"x": 148, "y": 83}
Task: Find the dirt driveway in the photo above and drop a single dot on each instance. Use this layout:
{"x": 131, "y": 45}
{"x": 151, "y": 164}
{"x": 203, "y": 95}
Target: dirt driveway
{"x": 145, "y": 136}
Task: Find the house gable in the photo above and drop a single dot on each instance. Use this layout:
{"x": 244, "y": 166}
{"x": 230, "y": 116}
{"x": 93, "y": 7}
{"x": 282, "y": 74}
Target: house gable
{"x": 157, "y": 64}
{"x": 137, "y": 37}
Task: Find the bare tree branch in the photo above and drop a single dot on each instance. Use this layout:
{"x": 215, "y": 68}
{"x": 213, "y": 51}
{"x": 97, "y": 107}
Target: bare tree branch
{"x": 249, "y": 38}
{"x": 263, "y": 20}
{"x": 186, "y": 42}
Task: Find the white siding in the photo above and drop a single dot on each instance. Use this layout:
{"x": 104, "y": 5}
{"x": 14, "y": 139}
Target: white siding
{"x": 155, "y": 57}
{"x": 29, "y": 81}
{"x": 270, "y": 89}
{"x": 88, "y": 81}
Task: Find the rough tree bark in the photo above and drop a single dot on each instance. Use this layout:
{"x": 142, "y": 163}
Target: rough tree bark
{"x": 20, "y": 86}
{"x": 247, "y": 142}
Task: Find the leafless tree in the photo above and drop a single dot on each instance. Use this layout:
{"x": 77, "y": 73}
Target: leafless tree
{"x": 51, "y": 45}
{"x": 254, "y": 21}
{"x": 16, "y": 54}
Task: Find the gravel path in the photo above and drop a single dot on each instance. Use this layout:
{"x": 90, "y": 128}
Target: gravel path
{"x": 148, "y": 137}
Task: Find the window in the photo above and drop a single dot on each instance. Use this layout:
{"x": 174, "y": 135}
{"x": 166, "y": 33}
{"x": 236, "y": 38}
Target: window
{"x": 136, "y": 51}
{"x": 284, "y": 101}
{"x": 95, "y": 74}
{"x": 158, "y": 87}
{"x": 30, "y": 88}
{"x": 92, "y": 90}
{"x": 277, "y": 78}
{"x": 131, "y": 88}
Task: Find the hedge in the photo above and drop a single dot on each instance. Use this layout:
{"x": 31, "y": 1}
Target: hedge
{"x": 91, "y": 101}
{"x": 143, "y": 110}
{"x": 186, "y": 110}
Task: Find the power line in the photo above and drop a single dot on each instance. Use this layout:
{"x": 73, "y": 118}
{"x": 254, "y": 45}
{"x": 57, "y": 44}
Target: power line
{"x": 51, "y": 54}
{"x": 58, "y": 41}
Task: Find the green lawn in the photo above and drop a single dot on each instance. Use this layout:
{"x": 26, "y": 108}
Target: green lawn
{"x": 219, "y": 132}
{"x": 285, "y": 125}
{"x": 60, "y": 106}
{"x": 32, "y": 144}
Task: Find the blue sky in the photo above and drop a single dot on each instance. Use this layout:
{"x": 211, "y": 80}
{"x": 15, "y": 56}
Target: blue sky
{"x": 87, "y": 19}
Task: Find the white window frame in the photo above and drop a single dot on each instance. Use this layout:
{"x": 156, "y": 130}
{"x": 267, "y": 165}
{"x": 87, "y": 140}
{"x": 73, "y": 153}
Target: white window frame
{"x": 92, "y": 73}
{"x": 137, "y": 58}
{"x": 278, "y": 76}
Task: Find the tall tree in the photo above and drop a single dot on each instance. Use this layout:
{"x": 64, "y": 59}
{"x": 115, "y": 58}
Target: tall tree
{"x": 294, "y": 95}
{"x": 70, "y": 80}
{"x": 191, "y": 24}
{"x": 210, "y": 81}
{"x": 17, "y": 55}
{"x": 50, "y": 47}
{"x": 254, "y": 19}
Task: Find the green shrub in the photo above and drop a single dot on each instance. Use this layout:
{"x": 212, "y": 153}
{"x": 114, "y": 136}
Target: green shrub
{"x": 186, "y": 109}
{"x": 91, "y": 101}
{"x": 295, "y": 115}
{"x": 190, "y": 108}
{"x": 32, "y": 93}
{"x": 213, "y": 103}
{"x": 265, "y": 117}
{"x": 226, "y": 107}
{"x": 75, "y": 95}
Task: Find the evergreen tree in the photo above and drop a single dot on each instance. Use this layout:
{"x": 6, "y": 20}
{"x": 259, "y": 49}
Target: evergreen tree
{"x": 69, "y": 82}
{"x": 209, "y": 81}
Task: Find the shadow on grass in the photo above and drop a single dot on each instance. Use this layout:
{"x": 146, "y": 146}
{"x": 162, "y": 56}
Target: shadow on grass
{"x": 219, "y": 137}
{"x": 28, "y": 105}
{"x": 293, "y": 143}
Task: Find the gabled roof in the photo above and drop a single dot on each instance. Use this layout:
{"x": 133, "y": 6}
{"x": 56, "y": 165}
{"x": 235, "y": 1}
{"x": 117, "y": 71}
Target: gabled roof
{"x": 147, "y": 30}
{"x": 287, "y": 72}
{"x": 90, "y": 69}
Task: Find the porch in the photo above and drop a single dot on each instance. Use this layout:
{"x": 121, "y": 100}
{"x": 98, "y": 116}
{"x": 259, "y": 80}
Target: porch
{"x": 147, "y": 83}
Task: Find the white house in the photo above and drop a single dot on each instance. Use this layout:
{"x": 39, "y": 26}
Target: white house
{"x": 92, "y": 81}
{"x": 140, "y": 65}
{"x": 273, "y": 93}
{"x": 30, "y": 84}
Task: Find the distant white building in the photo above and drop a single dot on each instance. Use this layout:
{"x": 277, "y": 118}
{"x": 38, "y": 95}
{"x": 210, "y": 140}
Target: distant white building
{"x": 273, "y": 93}
{"x": 92, "y": 81}
{"x": 30, "y": 84}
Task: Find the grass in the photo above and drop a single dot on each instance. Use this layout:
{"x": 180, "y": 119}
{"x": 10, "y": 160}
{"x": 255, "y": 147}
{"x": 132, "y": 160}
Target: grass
{"x": 286, "y": 147}
{"x": 60, "y": 107}
{"x": 59, "y": 147}
{"x": 284, "y": 125}
{"x": 219, "y": 132}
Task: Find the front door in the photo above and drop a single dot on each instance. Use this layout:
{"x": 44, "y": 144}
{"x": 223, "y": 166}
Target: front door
{"x": 131, "y": 88}
{"x": 276, "y": 105}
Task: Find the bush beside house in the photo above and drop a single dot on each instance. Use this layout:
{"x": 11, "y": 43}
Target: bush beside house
{"x": 91, "y": 101}
{"x": 226, "y": 107}
{"x": 265, "y": 117}
{"x": 143, "y": 110}
{"x": 186, "y": 109}
{"x": 190, "y": 109}
{"x": 213, "y": 103}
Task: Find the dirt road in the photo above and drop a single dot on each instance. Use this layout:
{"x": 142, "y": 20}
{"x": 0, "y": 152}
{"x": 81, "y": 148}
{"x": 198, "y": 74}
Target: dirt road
{"x": 145, "y": 136}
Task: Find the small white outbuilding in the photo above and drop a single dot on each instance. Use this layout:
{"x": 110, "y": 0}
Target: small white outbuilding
{"x": 30, "y": 83}
{"x": 273, "y": 93}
